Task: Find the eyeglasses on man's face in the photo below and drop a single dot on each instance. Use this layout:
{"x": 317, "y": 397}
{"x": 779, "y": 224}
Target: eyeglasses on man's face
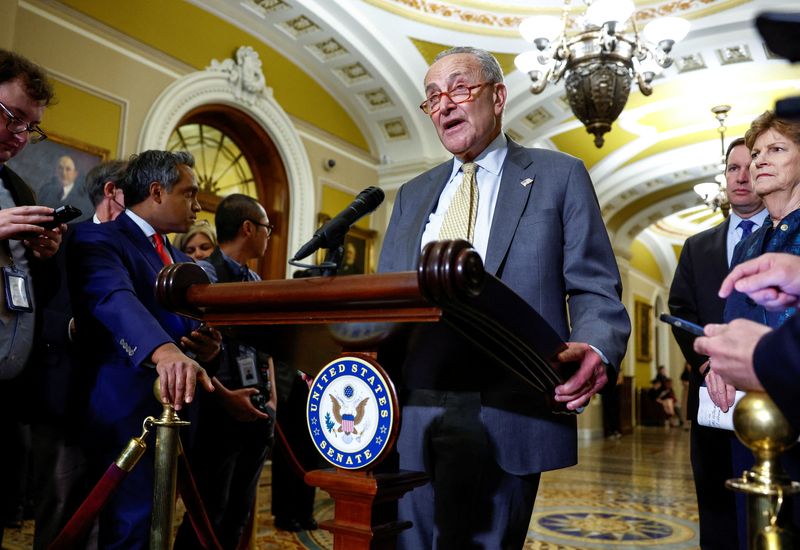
{"x": 268, "y": 226}
{"x": 459, "y": 94}
{"x": 16, "y": 125}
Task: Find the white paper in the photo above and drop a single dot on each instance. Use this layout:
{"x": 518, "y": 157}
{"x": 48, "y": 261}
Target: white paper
{"x": 708, "y": 414}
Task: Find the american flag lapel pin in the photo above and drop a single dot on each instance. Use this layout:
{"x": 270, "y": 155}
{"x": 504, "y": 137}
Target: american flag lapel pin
{"x": 526, "y": 182}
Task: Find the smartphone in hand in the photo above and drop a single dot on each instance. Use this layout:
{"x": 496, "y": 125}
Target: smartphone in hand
{"x": 683, "y": 324}
{"x": 62, "y": 214}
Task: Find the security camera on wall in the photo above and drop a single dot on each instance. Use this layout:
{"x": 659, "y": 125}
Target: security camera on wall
{"x": 328, "y": 164}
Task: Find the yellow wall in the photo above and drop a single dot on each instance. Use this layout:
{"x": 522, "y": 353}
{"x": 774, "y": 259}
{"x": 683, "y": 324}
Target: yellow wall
{"x": 85, "y": 117}
{"x": 195, "y": 37}
{"x": 335, "y": 200}
{"x": 677, "y": 249}
{"x": 642, "y": 259}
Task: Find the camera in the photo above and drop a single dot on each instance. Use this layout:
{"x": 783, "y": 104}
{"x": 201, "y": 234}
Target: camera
{"x": 264, "y": 386}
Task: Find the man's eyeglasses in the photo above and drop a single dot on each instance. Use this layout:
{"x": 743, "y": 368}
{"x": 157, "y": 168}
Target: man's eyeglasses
{"x": 459, "y": 94}
{"x": 16, "y": 125}
{"x": 270, "y": 228}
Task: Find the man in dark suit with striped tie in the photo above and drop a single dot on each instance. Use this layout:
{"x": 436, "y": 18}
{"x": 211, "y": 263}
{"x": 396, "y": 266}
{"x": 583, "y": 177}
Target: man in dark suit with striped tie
{"x": 693, "y": 296}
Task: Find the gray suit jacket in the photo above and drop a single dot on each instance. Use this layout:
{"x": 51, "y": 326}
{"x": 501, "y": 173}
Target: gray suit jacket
{"x": 549, "y": 244}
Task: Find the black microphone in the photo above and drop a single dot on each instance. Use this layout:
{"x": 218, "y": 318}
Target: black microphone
{"x": 335, "y": 229}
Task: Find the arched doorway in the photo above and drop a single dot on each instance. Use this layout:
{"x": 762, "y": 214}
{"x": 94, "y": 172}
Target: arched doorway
{"x": 233, "y": 154}
{"x": 232, "y": 98}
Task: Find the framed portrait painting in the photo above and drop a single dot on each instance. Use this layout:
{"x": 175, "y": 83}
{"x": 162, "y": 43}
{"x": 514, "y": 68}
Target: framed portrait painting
{"x": 38, "y": 164}
{"x": 643, "y": 331}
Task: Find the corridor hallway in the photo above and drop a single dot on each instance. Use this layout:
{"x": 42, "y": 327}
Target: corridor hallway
{"x": 632, "y": 492}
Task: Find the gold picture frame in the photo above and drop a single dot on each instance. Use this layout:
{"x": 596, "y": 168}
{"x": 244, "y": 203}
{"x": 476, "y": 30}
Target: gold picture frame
{"x": 359, "y": 246}
{"x": 643, "y": 335}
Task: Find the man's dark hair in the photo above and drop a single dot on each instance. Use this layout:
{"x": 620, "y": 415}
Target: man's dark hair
{"x": 113, "y": 170}
{"x": 145, "y": 168}
{"x": 34, "y": 79}
{"x": 735, "y": 143}
{"x": 232, "y": 213}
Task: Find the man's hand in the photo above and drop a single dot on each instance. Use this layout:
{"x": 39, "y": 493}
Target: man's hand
{"x": 20, "y": 220}
{"x": 771, "y": 280}
{"x": 178, "y": 375}
{"x": 722, "y": 395}
{"x": 237, "y": 402}
{"x": 46, "y": 244}
{"x": 730, "y": 348}
{"x": 587, "y": 380}
{"x": 203, "y": 342}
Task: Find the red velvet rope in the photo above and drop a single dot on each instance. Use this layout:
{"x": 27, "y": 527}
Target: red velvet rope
{"x": 194, "y": 506}
{"x": 79, "y": 524}
{"x": 297, "y": 468}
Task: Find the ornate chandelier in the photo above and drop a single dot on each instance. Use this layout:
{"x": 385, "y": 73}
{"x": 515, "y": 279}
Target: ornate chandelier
{"x": 599, "y": 61}
{"x": 713, "y": 193}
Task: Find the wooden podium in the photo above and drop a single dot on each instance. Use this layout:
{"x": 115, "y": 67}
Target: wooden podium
{"x": 449, "y": 286}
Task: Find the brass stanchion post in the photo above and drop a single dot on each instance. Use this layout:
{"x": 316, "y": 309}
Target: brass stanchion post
{"x": 166, "y": 473}
{"x": 761, "y": 426}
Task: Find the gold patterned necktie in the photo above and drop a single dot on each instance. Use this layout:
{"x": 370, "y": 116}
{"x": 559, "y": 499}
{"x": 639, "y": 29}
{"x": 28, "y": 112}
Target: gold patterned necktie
{"x": 459, "y": 221}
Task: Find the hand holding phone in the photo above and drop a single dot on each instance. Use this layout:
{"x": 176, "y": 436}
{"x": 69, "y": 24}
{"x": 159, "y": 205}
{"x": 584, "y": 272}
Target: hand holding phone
{"x": 683, "y": 324}
{"x": 62, "y": 214}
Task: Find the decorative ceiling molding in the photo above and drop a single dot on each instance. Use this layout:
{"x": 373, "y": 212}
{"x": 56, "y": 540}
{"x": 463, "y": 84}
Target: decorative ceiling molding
{"x": 495, "y": 19}
{"x": 734, "y": 54}
{"x": 690, "y": 62}
{"x": 327, "y": 49}
{"x": 395, "y": 129}
{"x": 372, "y": 56}
{"x": 376, "y": 99}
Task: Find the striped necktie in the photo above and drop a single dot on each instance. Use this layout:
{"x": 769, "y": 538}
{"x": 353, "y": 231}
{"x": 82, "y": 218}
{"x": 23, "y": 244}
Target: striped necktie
{"x": 459, "y": 221}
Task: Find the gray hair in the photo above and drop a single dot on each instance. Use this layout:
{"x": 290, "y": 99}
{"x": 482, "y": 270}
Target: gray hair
{"x": 113, "y": 170}
{"x": 489, "y": 66}
{"x": 150, "y": 166}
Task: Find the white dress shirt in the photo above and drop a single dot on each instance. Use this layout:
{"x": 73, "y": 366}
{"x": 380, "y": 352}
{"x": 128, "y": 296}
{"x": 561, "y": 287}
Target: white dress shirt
{"x": 490, "y": 170}
{"x": 735, "y": 232}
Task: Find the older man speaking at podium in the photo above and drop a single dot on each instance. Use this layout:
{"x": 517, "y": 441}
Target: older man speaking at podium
{"x": 533, "y": 216}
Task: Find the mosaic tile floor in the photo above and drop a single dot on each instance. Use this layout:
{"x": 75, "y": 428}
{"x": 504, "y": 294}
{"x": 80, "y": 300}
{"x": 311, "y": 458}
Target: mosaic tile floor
{"x": 633, "y": 492}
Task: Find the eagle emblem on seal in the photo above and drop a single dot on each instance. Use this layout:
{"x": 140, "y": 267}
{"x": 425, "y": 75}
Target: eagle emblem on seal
{"x": 347, "y": 417}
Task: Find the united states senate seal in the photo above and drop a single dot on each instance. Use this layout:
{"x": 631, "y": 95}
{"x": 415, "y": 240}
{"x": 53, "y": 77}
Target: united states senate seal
{"x": 352, "y": 412}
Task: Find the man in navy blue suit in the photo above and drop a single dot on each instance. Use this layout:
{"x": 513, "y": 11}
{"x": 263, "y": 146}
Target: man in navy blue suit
{"x": 126, "y": 337}
{"x": 536, "y": 223}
